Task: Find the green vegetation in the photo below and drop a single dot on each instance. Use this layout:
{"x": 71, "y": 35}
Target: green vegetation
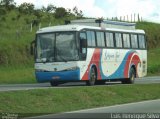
{"x": 14, "y": 75}
{"x": 153, "y": 42}
{"x": 18, "y": 26}
{"x": 35, "y": 102}
{"x": 16, "y": 35}
{"x": 152, "y": 33}
{"x": 153, "y": 61}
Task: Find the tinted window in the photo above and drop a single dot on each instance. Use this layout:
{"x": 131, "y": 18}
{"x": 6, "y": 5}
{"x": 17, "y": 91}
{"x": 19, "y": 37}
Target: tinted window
{"x": 109, "y": 40}
{"x": 100, "y": 38}
{"x": 126, "y": 41}
{"x": 118, "y": 38}
{"x": 83, "y": 43}
{"x": 82, "y": 36}
{"x": 134, "y": 41}
{"x": 141, "y": 41}
{"x": 91, "y": 38}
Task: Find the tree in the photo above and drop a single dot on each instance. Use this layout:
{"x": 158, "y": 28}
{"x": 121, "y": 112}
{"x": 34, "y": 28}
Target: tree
{"x": 69, "y": 11}
{"x": 43, "y": 9}
{"x": 80, "y": 14}
{"x": 77, "y": 13}
{"x": 26, "y": 8}
{"x": 60, "y": 12}
{"x": 2, "y": 14}
{"x": 75, "y": 10}
{"x": 50, "y": 8}
{"x": 38, "y": 13}
{"x": 8, "y": 4}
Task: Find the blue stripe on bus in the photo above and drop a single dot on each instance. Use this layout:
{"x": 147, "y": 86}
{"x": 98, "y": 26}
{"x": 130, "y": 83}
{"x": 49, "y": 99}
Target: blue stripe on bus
{"x": 61, "y": 76}
{"x": 119, "y": 73}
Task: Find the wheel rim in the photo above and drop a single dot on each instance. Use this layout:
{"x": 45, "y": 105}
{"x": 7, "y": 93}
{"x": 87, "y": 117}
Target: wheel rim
{"x": 132, "y": 78}
{"x": 93, "y": 76}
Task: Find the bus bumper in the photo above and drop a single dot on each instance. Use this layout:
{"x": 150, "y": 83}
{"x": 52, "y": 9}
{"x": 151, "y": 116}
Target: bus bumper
{"x": 58, "y": 76}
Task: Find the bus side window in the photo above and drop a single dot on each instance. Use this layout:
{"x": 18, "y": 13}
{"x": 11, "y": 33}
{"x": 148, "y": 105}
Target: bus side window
{"x": 134, "y": 41}
{"x": 118, "y": 39}
{"x": 100, "y": 39}
{"x": 109, "y": 39}
{"x": 83, "y": 45}
{"x": 141, "y": 39}
{"x": 126, "y": 40}
{"x": 91, "y": 40}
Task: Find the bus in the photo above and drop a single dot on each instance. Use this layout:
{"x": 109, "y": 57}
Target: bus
{"x": 69, "y": 53}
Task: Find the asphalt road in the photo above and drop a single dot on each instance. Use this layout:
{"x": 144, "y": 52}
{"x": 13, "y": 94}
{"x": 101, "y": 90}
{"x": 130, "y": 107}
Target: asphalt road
{"x": 143, "y": 110}
{"x": 14, "y": 87}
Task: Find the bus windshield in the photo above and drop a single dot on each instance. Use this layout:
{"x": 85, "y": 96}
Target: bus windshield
{"x": 56, "y": 47}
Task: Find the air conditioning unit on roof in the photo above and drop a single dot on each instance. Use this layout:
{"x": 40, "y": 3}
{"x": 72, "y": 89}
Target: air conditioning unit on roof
{"x": 103, "y": 23}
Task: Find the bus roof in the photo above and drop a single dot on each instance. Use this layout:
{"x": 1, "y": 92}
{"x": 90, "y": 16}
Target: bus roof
{"x": 81, "y": 27}
{"x": 104, "y": 23}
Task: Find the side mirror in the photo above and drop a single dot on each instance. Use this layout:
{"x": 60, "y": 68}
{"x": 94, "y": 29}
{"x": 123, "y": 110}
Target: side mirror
{"x": 32, "y": 47}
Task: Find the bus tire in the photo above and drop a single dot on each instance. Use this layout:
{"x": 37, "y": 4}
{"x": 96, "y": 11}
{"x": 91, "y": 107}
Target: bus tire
{"x": 54, "y": 83}
{"x": 92, "y": 79}
{"x": 132, "y": 76}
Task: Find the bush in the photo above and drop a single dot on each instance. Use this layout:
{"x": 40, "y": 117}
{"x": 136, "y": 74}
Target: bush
{"x": 153, "y": 69}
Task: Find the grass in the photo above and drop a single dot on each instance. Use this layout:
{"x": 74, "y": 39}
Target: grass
{"x": 153, "y": 62}
{"x": 152, "y": 33}
{"x": 14, "y": 75}
{"x": 45, "y": 101}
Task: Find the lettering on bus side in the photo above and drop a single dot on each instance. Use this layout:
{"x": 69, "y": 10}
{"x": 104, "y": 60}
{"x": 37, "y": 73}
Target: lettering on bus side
{"x": 110, "y": 55}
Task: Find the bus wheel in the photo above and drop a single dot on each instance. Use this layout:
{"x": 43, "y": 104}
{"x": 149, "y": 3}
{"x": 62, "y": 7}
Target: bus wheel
{"x": 131, "y": 78}
{"x": 92, "y": 79}
{"x": 54, "y": 83}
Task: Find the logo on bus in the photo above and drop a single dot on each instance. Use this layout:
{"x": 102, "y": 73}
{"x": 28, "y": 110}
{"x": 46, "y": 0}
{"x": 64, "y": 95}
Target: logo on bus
{"x": 109, "y": 55}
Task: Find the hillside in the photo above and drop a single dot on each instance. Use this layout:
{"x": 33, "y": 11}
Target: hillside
{"x": 16, "y": 35}
{"x": 18, "y": 27}
{"x": 152, "y": 32}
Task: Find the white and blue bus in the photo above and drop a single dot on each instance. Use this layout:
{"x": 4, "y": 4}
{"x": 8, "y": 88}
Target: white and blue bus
{"x": 70, "y": 53}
